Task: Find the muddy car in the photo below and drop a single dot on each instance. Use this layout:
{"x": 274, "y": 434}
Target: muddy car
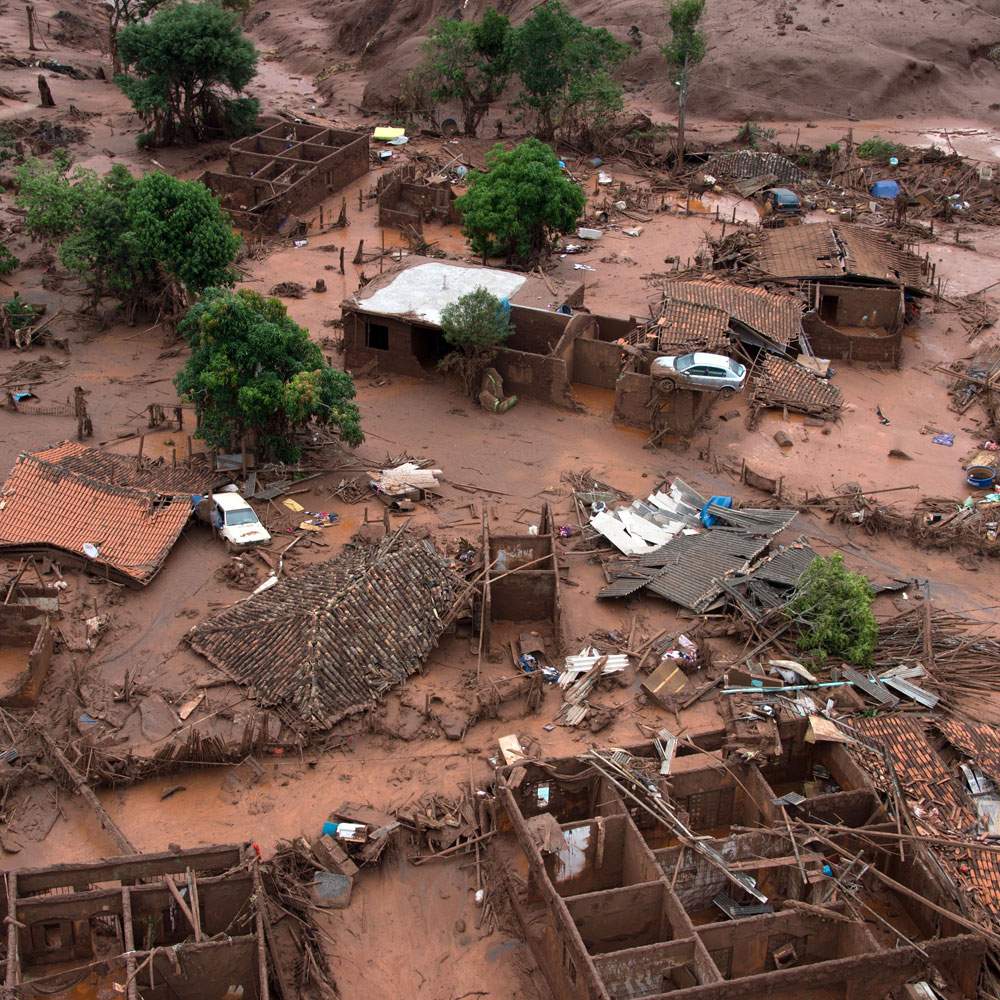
{"x": 702, "y": 372}
{"x": 236, "y": 522}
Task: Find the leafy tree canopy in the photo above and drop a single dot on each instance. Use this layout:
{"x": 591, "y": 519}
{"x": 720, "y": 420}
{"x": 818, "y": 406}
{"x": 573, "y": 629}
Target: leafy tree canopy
{"x": 520, "y": 204}
{"x": 130, "y": 238}
{"x": 178, "y": 67}
{"x": 253, "y": 370}
{"x": 833, "y": 608}
{"x": 565, "y": 69}
{"x": 686, "y": 47}
{"x": 470, "y": 61}
{"x": 477, "y": 321}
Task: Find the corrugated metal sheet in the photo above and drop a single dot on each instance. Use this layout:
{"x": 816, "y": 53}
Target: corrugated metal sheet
{"x": 698, "y": 562}
{"x": 786, "y": 565}
{"x": 629, "y": 582}
{"x": 754, "y": 520}
{"x": 776, "y": 317}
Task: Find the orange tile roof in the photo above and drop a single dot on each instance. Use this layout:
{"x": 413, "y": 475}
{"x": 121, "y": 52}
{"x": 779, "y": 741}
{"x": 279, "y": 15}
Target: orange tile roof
{"x": 44, "y": 506}
{"x": 125, "y": 470}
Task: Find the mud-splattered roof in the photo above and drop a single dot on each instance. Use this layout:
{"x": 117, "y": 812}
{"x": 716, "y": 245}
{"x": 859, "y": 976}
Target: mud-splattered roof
{"x": 334, "y": 639}
{"x": 44, "y": 506}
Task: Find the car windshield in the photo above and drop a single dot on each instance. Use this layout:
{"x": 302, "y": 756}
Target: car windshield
{"x": 685, "y": 362}
{"x": 242, "y": 516}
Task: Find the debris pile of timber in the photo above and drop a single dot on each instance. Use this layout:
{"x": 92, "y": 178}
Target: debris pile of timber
{"x": 778, "y": 383}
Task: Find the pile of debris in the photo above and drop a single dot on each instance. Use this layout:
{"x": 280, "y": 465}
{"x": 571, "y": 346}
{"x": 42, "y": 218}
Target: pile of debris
{"x": 935, "y": 522}
{"x": 781, "y": 384}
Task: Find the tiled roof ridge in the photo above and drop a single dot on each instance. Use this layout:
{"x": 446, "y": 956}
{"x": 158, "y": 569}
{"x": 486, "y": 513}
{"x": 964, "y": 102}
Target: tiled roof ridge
{"x": 57, "y": 471}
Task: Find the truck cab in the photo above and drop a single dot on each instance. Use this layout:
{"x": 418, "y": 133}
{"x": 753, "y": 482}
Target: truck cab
{"x": 236, "y": 522}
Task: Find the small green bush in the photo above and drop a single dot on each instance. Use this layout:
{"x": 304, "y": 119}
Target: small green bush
{"x": 877, "y": 148}
{"x": 833, "y": 609}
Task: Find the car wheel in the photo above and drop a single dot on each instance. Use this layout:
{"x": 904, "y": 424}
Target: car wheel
{"x": 727, "y": 392}
{"x": 668, "y": 385}
{"x": 230, "y": 548}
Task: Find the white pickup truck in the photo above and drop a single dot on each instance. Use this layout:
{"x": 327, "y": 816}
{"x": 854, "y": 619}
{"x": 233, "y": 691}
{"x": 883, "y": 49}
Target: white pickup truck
{"x": 236, "y": 523}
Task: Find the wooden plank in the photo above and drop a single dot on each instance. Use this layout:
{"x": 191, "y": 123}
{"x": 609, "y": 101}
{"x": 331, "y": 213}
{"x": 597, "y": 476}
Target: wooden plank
{"x": 788, "y": 861}
{"x": 13, "y": 958}
{"x": 129, "y": 943}
{"x": 83, "y": 875}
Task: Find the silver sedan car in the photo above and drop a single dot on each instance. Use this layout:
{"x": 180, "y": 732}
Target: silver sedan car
{"x": 706, "y": 372}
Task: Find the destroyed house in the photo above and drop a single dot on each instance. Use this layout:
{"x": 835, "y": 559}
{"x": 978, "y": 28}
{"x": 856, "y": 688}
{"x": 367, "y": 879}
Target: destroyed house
{"x": 755, "y": 316}
{"x": 285, "y": 170}
{"x": 395, "y": 321}
{"x": 673, "y": 873}
{"x": 184, "y": 925}
{"x": 126, "y": 470}
{"x": 332, "y": 641}
{"x": 857, "y": 281}
{"x": 122, "y": 532}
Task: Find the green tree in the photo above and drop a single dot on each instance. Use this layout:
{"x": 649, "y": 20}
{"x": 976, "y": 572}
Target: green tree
{"x": 565, "y": 70}
{"x": 475, "y": 326}
{"x": 179, "y": 66}
{"x": 683, "y": 53}
{"x": 520, "y": 204}
{"x": 148, "y": 242}
{"x": 833, "y": 609}
{"x": 8, "y": 262}
{"x": 470, "y": 61}
{"x": 254, "y": 371}
{"x": 121, "y": 13}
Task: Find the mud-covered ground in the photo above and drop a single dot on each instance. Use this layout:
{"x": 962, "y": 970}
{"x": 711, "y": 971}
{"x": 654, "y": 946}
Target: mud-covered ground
{"x": 411, "y": 931}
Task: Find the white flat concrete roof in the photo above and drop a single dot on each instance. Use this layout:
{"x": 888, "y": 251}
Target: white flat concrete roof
{"x": 422, "y": 291}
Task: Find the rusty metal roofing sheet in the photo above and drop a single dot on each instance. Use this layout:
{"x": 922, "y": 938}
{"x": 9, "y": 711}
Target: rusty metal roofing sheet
{"x": 837, "y": 250}
{"x": 696, "y": 563}
{"x": 45, "y": 507}
{"x": 123, "y": 470}
{"x": 746, "y": 163}
{"x": 777, "y": 317}
{"x": 333, "y": 640}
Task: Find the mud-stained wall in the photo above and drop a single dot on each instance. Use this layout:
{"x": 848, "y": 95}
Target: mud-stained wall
{"x": 875, "y": 316}
{"x": 537, "y": 331}
{"x": 632, "y": 395}
{"x": 534, "y": 376}
{"x": 24, "y": 635}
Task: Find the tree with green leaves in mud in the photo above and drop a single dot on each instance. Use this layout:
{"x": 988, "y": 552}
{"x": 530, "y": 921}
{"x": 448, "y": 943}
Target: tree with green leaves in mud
{"x": 180, "y": 65}
{"x": 685, "y": 50}
{"x": 149, "y": 242}
{"x": 565, "y": 71}
{"x": 833, "y": 610}
{"x": 469, "y": 61}
{"x": 520, "y": 204}
{"x": 253, "y": 371}
{"x": 475, "y": 327}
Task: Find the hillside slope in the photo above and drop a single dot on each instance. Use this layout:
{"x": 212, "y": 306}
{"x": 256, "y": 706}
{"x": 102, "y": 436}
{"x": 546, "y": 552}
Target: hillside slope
{"x": 776, "y": 59}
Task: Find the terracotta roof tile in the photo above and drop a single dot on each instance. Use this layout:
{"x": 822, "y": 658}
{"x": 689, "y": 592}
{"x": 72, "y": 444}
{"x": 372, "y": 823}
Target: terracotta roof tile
{"x": 837, "y": 250}
{"x": 122, "y": 470}
{"x": 333, "y": 640}
{"x": 43, "y": 506}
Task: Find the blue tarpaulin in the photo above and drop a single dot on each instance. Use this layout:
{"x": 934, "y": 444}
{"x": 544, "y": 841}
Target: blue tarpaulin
{"x": 884, "y": 189}
{"x": 708, "y": 519}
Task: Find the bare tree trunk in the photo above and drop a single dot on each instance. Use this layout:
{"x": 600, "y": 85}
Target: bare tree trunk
{"x": 45, "y": 95}
{"x": 31, "y": 27}
{"x": 682, "y": 96}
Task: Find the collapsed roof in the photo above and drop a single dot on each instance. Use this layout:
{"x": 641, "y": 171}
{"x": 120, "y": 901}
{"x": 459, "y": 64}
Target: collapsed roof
{"x": 124, "y": 470}
{"x": 837, "y": 250}
{"x": 778, "y": 318}
{"x": 124, "y": 531}
{"x": 747, "y": 163}
{"x": 332, "y": 641}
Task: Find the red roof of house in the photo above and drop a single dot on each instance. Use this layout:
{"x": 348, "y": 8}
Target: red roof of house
{"x": 45, "y": 506}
